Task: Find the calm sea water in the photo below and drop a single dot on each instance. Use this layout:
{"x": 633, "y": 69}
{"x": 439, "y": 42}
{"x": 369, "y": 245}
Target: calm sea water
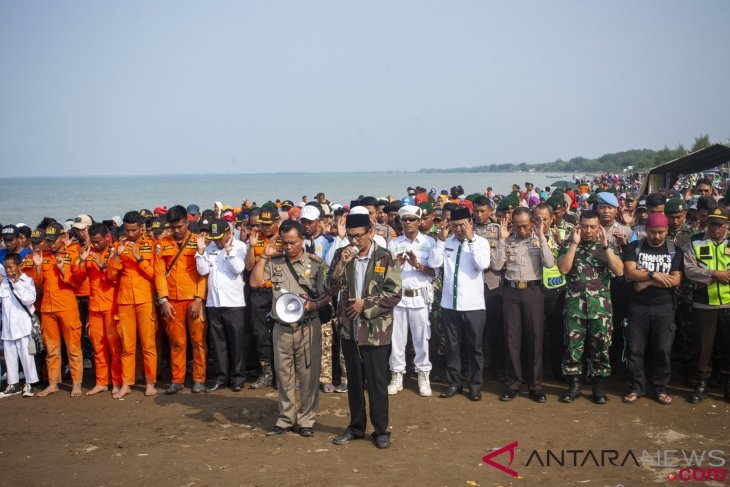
{"x": 28, "y": 200}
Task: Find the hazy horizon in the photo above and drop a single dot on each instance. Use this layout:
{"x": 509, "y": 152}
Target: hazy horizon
{"x": 180, "y": 87}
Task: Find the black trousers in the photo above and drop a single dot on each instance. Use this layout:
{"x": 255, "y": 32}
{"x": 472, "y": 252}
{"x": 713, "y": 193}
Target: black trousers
{"x": 649, "y": 327}
{"x": 555, "y": 328}
{"x": 260, "y": 307}
{"x": 465, "y": 327}
{"x": 367, "y": 368}
{"x": 708, "y": 323}
{"x": 524, "y": 320}
{"x": 227, "y": 340}
{"x": 494, "y": 331}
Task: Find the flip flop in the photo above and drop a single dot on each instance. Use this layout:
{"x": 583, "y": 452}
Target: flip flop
{"x": 664, "y": 399}
{"x": 631, "y": 397}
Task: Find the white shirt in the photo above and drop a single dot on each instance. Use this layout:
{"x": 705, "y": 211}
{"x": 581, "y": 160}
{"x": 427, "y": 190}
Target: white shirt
{"x": 225, "y": 274}
{"x": 16, "y": 323}
{"x": 412, "y": 278}
{"x": 474, "y": 260}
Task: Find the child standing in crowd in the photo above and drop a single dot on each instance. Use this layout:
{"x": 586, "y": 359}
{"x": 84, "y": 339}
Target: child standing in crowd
{"x": 17, "y": 293}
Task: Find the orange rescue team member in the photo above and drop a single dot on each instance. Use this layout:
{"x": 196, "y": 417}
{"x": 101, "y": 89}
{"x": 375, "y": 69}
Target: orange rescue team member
{"x": 93, "y": 264}
{"x": 134, "y": 262}
{"x": 181, "y": 291}
{"x": 59, "y": 310}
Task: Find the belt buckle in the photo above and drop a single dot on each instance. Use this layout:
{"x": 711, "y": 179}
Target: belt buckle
{"x": 521, "y": 284}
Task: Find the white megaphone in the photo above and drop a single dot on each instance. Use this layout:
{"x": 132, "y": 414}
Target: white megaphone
{"x": 289, "y": 308}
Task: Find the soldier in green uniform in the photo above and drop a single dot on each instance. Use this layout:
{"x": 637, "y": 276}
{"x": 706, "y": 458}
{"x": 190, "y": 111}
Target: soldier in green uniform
{"x": 587, "y": 260}
{"x": 297, "y": 346}
{"x": 681, "y": 234}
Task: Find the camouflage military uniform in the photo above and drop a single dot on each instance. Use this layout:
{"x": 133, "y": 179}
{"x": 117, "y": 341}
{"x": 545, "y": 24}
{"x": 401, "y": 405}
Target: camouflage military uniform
{"x": 683, "y": 315}
{"x": 588, "y": 310}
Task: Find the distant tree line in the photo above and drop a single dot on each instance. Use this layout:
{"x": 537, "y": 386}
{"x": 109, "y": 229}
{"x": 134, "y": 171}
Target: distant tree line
{"x": 640, "y": 159}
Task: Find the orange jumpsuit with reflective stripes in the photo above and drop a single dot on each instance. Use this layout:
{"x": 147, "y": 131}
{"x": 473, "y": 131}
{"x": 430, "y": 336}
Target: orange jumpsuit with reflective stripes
{"x": 181, "y": 284}
{"x": 60, "y": 314}
{"x": 136, "y": 308}
{"x": 103, "y": 331}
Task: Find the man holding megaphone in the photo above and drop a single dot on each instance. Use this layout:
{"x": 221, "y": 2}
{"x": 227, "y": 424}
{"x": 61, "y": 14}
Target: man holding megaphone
{"x": 298, "y": 287}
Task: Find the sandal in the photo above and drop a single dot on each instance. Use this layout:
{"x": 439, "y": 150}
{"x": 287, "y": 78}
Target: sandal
{"x": 327, "y": 388}
{"x": 664, "y": 399}
{"x": 631, "y": 397}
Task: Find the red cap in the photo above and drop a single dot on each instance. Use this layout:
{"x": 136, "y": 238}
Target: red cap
{"x": 657, "y": 220}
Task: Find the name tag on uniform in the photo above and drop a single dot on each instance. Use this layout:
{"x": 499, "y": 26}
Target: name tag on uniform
{"x": 727, "y": 250}
{"x": 380, "y": 269}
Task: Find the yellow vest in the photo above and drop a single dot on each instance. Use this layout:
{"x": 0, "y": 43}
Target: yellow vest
{"x": 715, "y": 258}
{"x": 551, "y": 276}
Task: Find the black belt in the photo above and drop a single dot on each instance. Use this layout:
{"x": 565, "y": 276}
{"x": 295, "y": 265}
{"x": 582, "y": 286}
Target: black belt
{"x": 262, "y": 290}
{"x": 299, "y": 324}
{"x": 410, "y": 293}
{"x": 522, "y": 284}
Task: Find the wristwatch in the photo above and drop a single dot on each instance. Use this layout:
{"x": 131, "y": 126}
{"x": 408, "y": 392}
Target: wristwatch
{"x": 651, "y": 274}
{"x": 139, "y": 261}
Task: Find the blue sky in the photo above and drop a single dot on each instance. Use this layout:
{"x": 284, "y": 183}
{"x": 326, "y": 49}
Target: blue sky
{"x": 104, "y": 88}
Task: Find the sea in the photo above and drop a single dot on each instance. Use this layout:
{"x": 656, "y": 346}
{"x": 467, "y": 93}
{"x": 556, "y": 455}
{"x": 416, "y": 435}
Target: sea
{"x": 28, "y": 200}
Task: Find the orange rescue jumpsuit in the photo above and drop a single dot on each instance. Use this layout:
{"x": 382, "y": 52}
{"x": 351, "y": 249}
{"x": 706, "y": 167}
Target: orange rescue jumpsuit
{"x": 181, "y": 285}
{"x": 60, "y": 315}
{"x": 103, "y": 331}
{"x": 136, "y": 308}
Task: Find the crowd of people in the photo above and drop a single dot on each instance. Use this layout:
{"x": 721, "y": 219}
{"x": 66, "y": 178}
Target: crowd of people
{"x": 583, "y": 281}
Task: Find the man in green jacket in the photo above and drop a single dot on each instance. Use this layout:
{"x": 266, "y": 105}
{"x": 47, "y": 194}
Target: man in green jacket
{"x": 367, "y": 278}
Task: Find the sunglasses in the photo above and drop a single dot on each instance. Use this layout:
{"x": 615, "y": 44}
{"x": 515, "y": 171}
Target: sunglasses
{"x": 409, "y": 219}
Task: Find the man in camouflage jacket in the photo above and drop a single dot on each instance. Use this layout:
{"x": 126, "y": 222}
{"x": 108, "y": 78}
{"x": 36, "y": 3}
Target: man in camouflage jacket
{"x": 587, "y": 259}
{"x": 368, "y": 281}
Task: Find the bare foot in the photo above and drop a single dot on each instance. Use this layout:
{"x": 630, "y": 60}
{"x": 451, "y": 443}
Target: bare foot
{"x": 115, "y": 391}
{"x": 51, "y": 389}
{"x": 97, "y": 390}
{"x": 150, "y": 390}
{"x": 123, "y": 391}
{"x": 76, "y": 390}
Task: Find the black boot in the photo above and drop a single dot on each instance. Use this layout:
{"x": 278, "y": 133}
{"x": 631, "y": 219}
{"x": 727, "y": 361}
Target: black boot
{"x": 265, "y": 378}
{"x": 727, "y": 388}
{"x": 573, "y": 391}
{"x": 599, "y": 393}
{"x": 699, "y": 393}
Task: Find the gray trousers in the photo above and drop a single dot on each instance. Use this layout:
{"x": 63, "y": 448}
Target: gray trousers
{"x": 297, "y": 359}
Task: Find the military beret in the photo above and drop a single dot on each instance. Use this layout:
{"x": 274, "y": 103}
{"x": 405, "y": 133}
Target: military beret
{"x": 426, "y": 208}
{"x": 471, "y": 197}
{"x": 675, "y": 205}
{"x": 556, "y": 201}
{"x": 592, "y": 198}
{"x": 606, "y": 198}
{"x": 269, "y": 212}
{"x": 507, "y": 204}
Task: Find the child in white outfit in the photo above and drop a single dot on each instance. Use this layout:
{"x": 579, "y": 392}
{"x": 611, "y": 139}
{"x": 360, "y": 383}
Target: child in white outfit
{"x": 16, "y": 288}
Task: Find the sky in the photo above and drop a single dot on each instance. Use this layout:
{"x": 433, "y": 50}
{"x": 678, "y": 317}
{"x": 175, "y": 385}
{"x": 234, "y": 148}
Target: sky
{"x": 159, "y": 87}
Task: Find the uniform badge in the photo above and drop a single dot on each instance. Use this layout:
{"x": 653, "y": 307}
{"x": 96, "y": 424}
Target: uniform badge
{"x": 307, "y": 272}
{"x": 380, "y": 269}
{"x": 277, "y": 268}
{"x": 536, "y": 243}
{"x": 727, "y": 250}
{"x": 512, "y": 258}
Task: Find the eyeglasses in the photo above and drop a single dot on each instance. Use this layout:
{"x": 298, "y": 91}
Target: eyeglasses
{"x": 437, "y": 220}
{"x": 409, "y": 219}
{"x": 356, "y": 236}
